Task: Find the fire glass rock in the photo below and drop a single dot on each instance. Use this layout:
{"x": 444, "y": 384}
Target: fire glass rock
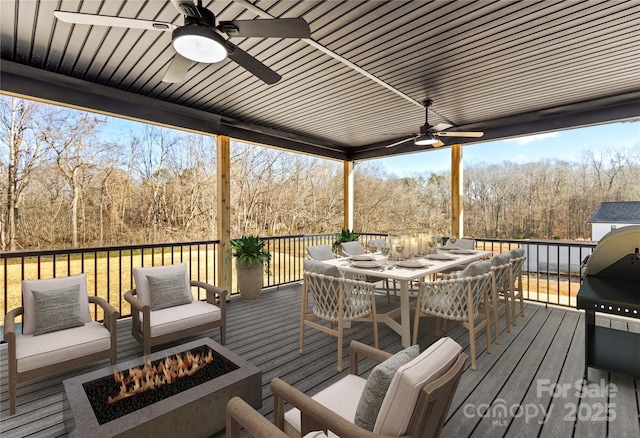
{"x": 99, "y": 390}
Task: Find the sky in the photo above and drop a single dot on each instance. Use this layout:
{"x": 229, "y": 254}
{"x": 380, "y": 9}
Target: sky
{"x": 565, "y": 145}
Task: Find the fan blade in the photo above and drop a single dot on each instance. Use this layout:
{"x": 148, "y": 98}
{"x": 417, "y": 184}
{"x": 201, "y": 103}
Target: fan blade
{"x": 104, "y": 20}
{"x": 459, "y": 134}
{"x": 252, "y": 65}
{"x": 186, "y": 7}
{"x": 441, "y": 127}
{"x": 277, "y": 28}
{"x": 177, "y": 70}
{"x": 399, "y": 142}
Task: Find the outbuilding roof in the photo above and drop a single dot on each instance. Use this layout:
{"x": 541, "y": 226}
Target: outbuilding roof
{"x": 627, "y": 212}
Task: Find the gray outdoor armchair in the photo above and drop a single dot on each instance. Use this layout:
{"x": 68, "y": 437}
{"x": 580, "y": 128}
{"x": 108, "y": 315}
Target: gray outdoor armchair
{"x": 163, "y": 308}
{"x": 58, "y": 333}
{"x": 415, "y": 404}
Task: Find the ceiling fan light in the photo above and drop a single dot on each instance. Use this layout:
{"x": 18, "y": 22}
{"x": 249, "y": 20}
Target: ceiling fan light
{"x": 199, "y": 44}
{"x": 425, "y": 140}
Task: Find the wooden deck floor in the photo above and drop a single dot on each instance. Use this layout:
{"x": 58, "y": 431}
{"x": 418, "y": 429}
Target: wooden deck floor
{"x": 523, "y": 375}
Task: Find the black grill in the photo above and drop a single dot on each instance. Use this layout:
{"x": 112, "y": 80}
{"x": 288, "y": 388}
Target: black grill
{"x": 612, "y": 285}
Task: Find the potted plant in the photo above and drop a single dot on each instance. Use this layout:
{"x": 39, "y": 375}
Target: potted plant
{"x": 345, "y": 235}
{"x": 251, "y": 260}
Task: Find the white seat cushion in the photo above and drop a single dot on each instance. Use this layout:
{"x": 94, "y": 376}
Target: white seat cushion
{"x": 342, "y": 398}
{"x": 50, "y": 348}
{"x": 402, "y": 395}
{"x": 178, "y": 318}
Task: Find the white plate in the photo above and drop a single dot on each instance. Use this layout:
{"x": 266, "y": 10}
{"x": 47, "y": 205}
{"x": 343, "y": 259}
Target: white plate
{"x": 361, "y": 257}
{"x": 439, "y": 257}
{"x": 448, "y": 248}
{"x": 366, "y": 264}
{"x": 410, "y": 264}
{"x": 463, "y": 251}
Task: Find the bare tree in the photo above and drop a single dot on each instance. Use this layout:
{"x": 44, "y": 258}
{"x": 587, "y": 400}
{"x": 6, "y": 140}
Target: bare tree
{"x": 19, "y": 120}
{"x": 72, "y": 135}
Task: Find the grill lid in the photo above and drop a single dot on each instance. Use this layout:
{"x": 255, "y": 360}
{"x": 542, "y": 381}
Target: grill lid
{"x": 617, "y": 255}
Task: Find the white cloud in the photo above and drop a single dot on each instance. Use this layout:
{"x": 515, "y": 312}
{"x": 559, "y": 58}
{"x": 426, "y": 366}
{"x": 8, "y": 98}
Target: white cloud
{"x": 532, "y": 138}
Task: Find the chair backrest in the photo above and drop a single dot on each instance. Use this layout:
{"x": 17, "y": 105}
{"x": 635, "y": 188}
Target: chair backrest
{"x": 334, "y": 294}
{"x": 466, "y": 243}
{"x": 353, "y": 248}
{"x": 501, "y": 269}
{"x": 142, "y": 284}
{"x": 405, "y": 403}
{"x": 379, "y": 243}
{"x": 28, "y": 302}
{"x": 435, "y": 400}
{"x": 449, "y": 299}
{"x": 320, "y": 252}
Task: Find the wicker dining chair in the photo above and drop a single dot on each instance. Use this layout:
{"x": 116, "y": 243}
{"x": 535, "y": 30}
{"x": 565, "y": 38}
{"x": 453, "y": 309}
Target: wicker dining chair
{"x": 499, "y": 297}
{"x": 459, "y": 298}
{"x": 335, "y": 299}
{"x": 515, "y": 282}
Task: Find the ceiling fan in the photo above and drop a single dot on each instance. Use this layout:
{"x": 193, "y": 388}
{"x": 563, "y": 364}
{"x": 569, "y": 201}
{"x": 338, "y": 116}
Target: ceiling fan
{"x": 200, "y": 40}
{"x": 428, "y": 135}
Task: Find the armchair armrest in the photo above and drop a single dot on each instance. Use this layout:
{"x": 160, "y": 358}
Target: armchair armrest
{"x": 10, "y": 324}
{"x": 313, "y": 415}
{"x": 358, "y": 348}
{"x": 213, "y": 292}
{"x": 111, "y": 315}
{"x": 241, "y": 414}
{"x": 138, "y": 307}
{"x": 131, "y": 298}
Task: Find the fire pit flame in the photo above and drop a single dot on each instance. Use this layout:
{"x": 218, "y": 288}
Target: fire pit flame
{"x": 148, "y": 377}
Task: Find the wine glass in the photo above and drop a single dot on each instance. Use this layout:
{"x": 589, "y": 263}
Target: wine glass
{"x": 432, "y": 243}
{"x": 372, "y": 247}
{"x": 385, "y": 251}
{"x": 439, "y": 240}
{"x": 453, "y": 238}
{"x": 399, "y": 248}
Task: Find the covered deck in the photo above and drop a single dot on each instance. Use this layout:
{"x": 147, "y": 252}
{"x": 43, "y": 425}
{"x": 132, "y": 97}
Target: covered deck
{"x": 529, "y": 386}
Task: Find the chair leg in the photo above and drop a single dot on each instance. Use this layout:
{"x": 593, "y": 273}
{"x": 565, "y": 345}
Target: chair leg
{"x": 512, "y": 300}
{"x": 223, "y": 334}
{"x": 303, "y": 312}
{"x": 386, "y": 283}
{"x": 339, "y": 367}
{"x": 472, "y": 345}
{"x": 520, "y": 296}
{"x": 12, "y": 394}
{"x": 494, "y": 300}
{"x": 507, "y": 311}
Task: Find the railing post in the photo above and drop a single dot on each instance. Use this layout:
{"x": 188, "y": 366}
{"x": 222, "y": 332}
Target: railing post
{"x": 347, "y": 188}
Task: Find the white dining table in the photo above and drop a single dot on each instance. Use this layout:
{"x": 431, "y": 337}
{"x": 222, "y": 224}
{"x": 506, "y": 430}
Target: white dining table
{"x": 391, "y": 270}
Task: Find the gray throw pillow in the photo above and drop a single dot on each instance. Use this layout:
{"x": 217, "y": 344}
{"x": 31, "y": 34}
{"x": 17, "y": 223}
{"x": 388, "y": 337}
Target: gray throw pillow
{"x": 500, "y": 259}
{"x": 56, "y": 309}
{"x": 476, "y": 268}
{"x": 320, "y": 268}
{"x": 168, "y": 290}
{"x": 377, "y": 384}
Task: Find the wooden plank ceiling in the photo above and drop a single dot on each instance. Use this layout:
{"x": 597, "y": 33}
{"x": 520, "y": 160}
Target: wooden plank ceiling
{"x": 507, "y": 68}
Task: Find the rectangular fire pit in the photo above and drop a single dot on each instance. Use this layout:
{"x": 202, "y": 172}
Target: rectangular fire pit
{"x": 195, "y": 412}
